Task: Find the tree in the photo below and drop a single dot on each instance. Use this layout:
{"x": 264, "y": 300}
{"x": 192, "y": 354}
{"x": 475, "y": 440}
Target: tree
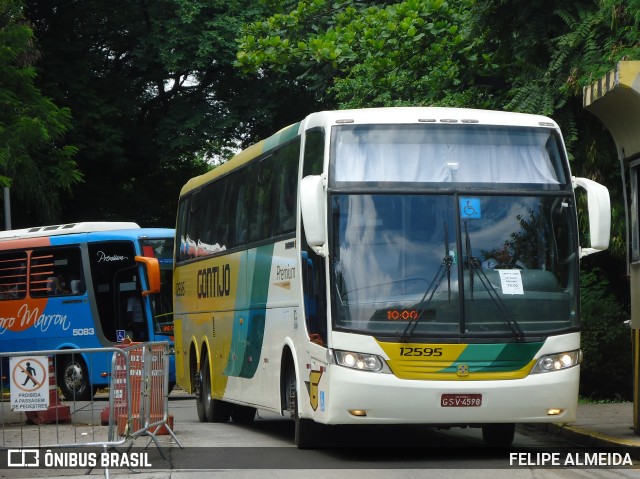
{"x": 34, "y": 160}
{"x": 605, "y": 371}
{"x": 372, "y": 53}
{"x": 522, "y": 55}
{"x": 154, "y": 94}
{"x": 549, "y": 50}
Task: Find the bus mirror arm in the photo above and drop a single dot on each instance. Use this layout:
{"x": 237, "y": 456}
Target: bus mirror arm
{"x": 153, "y": 273}
{"x": 313, "y": 210}
{"x": 599, "y": 205}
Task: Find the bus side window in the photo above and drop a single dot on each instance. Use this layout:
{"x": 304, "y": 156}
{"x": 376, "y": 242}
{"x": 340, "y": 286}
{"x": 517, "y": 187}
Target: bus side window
{"x": 260, "y": 213}
{"x": 57, "y": 285}
{"x": 313, "y": 269}
{"x": 213, "y": 236}
{"x": 233, "y": 209}
{"x": 313, "y": 152}
{"x": 55, "y": 271}
{"x": 13, "y": 275}
{"x": 77, "y": 286}
{"x": 314, "y": 297}
{"x": 181, "y": 245}
{"x": 242, "y": 219}
{"x": 286, "y": 189}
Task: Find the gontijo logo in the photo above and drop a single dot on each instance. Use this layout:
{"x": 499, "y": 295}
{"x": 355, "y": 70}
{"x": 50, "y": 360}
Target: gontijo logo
{"x": 214, "y": 282}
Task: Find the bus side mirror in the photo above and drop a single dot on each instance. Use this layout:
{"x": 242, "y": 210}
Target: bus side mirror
{"x": 312, "y": 207}
{"x": 599, "y": 206}
{"x": 152, "y": 267}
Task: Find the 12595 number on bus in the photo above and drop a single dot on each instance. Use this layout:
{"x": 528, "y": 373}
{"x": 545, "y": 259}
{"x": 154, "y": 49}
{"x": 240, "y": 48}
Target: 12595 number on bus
{"x": 420, "y": 352}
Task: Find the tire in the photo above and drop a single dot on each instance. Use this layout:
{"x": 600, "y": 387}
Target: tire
{"x": 197, "y": 381}
{"x": 213, "y": 410}
{"x": 243, "y": 414}
{"x": 498, "y": 435}
{"x": 73, "y": 378}
{"x": 308, "y": 434}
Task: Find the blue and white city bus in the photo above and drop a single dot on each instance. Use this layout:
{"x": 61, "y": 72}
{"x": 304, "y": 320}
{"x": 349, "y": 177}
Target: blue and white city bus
{"x": 77, "y": 286}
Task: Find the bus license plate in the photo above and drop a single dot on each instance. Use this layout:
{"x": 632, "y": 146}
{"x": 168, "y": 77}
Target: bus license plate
{"x": 461, "y": 400}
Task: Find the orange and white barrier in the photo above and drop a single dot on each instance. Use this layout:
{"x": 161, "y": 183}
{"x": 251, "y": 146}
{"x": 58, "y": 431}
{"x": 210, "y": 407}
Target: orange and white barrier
{"x": 139, "y": 392}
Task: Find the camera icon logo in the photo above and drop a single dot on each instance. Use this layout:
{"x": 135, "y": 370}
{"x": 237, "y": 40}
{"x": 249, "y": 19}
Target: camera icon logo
{"x": 23, "y": 458}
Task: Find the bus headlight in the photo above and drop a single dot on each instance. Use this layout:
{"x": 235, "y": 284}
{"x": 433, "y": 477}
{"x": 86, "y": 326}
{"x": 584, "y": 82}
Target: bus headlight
{"x": 557, "y": 362}
{"x": 360, "y": 361}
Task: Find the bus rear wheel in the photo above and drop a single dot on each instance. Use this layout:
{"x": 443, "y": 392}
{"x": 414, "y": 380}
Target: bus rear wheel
{"x": 208, "y": 408}
{"x": 498, "y": 435}
{"x": 73, "y": 378}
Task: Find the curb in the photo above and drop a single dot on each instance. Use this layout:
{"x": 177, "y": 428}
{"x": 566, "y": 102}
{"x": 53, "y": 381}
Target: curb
{"x": 587, "y": 437}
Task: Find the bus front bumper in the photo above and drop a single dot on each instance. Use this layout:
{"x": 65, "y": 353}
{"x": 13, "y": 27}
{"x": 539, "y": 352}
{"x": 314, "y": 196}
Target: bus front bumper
{"x": 355, "y": 397}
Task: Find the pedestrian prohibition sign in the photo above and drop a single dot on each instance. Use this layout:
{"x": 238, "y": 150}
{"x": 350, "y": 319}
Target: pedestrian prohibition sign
{"x": 29, "y": 383}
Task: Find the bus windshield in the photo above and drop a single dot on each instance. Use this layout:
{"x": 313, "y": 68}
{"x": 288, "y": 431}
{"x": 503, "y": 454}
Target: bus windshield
{"x": 429, "y": 153}
{"x": 162, "y": 302}
{"x": 456, "y": 265}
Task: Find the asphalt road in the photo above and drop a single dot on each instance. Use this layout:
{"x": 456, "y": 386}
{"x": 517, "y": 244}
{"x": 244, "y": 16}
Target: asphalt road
{"x": 265, "y": 449}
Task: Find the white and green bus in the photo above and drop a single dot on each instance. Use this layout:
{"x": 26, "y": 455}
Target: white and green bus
{"x": 387, "y": 266}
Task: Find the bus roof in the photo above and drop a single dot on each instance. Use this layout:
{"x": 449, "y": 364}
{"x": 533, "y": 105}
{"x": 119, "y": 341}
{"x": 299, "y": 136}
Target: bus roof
{"x": 426, "y": 115}
{"x": 65, "y": 229}
{"x": 388, "y": 115}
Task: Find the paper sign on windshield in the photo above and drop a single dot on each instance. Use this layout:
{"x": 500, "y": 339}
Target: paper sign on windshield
{"x": 511, "y": 281}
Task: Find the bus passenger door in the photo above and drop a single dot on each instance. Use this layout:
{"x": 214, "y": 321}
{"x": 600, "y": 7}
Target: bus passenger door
{"x": 116, "y": 284}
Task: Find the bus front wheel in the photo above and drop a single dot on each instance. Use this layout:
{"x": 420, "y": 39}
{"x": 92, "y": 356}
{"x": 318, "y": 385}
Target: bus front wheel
{"x": 308, "y": 433}
{"x": 208, "y": 408}
{"x": 73, "y": 378}
{"x": 499, "y": 435}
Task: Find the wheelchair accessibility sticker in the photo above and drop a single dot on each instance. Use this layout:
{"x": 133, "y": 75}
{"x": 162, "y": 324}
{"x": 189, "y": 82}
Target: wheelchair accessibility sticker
{"x": 470, "y": 208}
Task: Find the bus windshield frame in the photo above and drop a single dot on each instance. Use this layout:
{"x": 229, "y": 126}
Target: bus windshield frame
{"x": 436, "y": 255}
{"x": 435, "y": 156}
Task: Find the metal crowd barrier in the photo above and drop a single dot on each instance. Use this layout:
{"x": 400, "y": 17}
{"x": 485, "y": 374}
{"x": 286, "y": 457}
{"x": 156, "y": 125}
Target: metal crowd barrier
{"x": 138, "y": 398}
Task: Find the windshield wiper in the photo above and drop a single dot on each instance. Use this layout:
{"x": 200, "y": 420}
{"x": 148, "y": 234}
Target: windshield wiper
{"x": 445, "y": 269}
{"x": 475, "y": 267}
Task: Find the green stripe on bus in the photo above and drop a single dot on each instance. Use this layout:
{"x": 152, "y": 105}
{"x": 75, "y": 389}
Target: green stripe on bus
{"x": 248, "y": 326}
{"x": 495, "y": 357}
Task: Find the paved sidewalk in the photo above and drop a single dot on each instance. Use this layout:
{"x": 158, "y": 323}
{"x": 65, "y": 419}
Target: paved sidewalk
{"x": 603, "y": 425}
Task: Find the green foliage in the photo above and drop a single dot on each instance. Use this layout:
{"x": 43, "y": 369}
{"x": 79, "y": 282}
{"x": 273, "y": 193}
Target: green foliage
{"x": 153, "y": 93}
{"x": 34, "y": 161}
{"x": 546, "y": 52}
{"x": 522, "y": 55}
{"x": 606, "y": 371}
{"x": 373, "y": 54}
